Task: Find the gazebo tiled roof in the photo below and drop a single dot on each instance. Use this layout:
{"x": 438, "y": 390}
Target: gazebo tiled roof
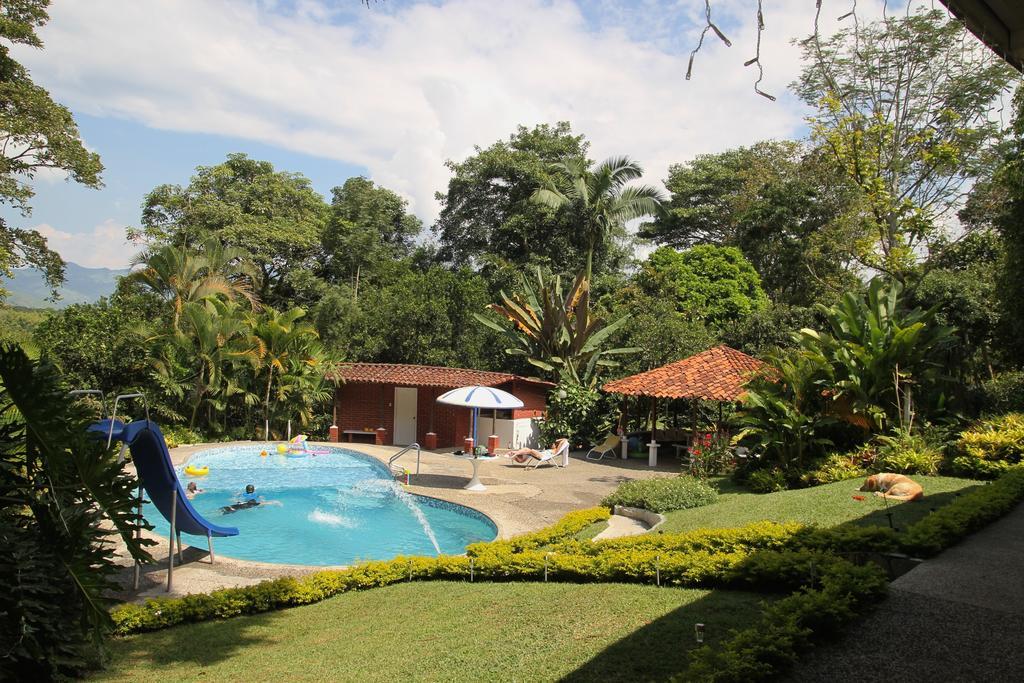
{"x": 717, "y": 374}
{"x": 421, "y": 375}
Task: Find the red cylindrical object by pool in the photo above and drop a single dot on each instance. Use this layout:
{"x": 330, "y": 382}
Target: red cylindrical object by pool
{"x": 430, "y": 441}
{"x": 467, "y": 445}
{"x": 493, "y": 443}
{"x": 382, "y": 436}
{"x": 333, "y": 433}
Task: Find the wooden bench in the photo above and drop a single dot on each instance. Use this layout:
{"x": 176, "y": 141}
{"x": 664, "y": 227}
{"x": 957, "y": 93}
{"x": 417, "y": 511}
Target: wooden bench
{"x": 350, "y": 434}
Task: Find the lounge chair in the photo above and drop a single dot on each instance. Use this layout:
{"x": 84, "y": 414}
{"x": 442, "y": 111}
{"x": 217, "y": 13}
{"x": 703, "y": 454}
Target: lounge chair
{"x": 535, "y": 458}
{"x": 606, "y": 447}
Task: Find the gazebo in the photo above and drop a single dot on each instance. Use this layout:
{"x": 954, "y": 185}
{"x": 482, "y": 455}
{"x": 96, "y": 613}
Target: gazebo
{"x": 718, "y": 374}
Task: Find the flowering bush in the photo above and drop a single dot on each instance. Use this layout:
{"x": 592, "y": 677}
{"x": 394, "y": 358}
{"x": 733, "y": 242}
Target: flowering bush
{"x": 711, "y": 454}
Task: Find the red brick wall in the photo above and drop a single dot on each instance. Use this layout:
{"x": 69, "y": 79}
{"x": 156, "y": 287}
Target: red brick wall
{"x": 361, "y": 405}
{"x": 534, "y": 397}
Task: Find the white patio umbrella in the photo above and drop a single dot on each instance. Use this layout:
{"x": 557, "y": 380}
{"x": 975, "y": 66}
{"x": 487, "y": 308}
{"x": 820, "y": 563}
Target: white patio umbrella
{"x": 477, "y": 397}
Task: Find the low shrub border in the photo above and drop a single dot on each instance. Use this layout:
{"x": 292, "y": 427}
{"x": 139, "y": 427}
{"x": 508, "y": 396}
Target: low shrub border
{"x": 827, "y": 591}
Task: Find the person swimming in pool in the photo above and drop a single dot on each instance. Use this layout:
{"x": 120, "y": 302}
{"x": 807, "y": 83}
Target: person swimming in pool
{"x": 191, "y": 491}
{"x": 248, "y": 499}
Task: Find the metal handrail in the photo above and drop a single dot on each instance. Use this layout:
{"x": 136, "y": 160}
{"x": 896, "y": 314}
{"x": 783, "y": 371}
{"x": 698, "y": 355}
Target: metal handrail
{"x": 405, "y": 450}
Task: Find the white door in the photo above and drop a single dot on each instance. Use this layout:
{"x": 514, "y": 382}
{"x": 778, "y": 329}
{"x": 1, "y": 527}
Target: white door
{"x": 405, "y": 416}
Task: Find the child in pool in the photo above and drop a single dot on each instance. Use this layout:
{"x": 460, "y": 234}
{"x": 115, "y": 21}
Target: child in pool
{"x": 249, "y": 499}
{"x": 191, "y": 491}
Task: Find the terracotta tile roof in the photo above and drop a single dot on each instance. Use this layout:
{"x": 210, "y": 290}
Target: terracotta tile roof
{"x": 717, "y": 374}
{"x": 422, "y": 375}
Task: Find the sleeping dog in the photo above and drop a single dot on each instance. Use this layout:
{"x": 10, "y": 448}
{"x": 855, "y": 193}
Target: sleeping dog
{"x": 894, "y": 486}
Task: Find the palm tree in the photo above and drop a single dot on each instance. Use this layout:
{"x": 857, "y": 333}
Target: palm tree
{"x": 182, "y": 276}
{"x": 600, "y": 197}
{"x": 288, "y": 351}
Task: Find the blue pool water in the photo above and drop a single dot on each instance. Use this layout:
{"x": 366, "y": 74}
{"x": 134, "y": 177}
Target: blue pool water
{"x": 331, "y": 509}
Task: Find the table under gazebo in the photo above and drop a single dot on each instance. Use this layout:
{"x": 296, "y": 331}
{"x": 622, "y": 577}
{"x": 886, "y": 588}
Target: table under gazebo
{"x": 718, "y": 374}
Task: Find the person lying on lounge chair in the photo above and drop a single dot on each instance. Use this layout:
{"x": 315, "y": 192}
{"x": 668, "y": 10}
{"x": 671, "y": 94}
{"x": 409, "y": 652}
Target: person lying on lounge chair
{"x": 537, "y": 457}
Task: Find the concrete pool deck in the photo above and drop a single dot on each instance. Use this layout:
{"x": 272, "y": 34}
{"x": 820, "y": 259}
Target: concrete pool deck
{"x": 517, "y": 499}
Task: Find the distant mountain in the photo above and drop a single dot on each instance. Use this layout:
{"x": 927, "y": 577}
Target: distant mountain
{"x": 81, "y": 285}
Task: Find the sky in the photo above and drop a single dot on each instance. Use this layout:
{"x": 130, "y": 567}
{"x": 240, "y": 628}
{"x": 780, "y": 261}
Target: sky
{"x": 394, "y": 89}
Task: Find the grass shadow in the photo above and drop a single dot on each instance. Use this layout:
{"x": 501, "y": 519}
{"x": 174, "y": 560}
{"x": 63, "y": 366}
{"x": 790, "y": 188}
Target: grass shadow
{"x": 904, "y": 514}
{"x": 661, "y": 648}
{"x": 197, "y": 645}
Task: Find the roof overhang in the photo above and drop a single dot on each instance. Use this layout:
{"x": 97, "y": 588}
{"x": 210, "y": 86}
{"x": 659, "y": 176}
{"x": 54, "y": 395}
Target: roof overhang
{"x": 998, "y": 23}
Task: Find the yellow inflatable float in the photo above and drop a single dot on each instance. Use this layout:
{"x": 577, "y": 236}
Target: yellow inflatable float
{"x": 194, "y": 471}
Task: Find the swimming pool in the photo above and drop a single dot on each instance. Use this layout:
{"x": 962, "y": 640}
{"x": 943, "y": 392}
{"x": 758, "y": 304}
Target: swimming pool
{"x": 331, "y": 509}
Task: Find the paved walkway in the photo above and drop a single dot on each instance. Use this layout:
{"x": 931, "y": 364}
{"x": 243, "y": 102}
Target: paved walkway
{"x": 957, "y": 617}
{"x": 519, "y": 500}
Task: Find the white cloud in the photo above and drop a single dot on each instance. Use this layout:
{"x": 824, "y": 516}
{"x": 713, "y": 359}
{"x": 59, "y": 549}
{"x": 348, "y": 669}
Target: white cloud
{"x": 105, "y": 246}
{"x": 402, "y": 89}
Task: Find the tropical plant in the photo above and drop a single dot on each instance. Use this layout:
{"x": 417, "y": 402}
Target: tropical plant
{"x": 579, "y": 413}
{"x": 875, "y": 353}
{"x": 599, "y": 197}
{"x": 290, "y": 362}
{"x": 556, "y": 331}
{"x": 181, "y": 275}
{"x": 781, "y": 412}
{"x": 62, "y": 496}
{"x": 195, "y": 360}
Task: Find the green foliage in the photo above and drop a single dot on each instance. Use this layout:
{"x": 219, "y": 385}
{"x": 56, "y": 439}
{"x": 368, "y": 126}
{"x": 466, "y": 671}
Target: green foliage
{"x": 967, "y": 514}
{"x": 17, "y": 324}
{"x": 1009, "y": 221}
{"x": 63, "y": 495}
{"x": 663, "y": 494}
{"x": 906, "y": 453}
{"x": 37, "y": 134}
{"x": 990, "y": 447}
{"x": 911, "y": 162}
{"x": 714, "y": 284}
{"x": 835, "y": 467}
{"x": 95, "y": 345}
{"x": 555, "y": 331}
{"x": 1004, "y": 393}
{"x": 176, "y": 435}
{"x": 579, "y": 413}
{"x": 600, "y": 199}
{"x": 767, "y": 480}
{"x": 777, "y": 202}
{"x": 655, "y": 328}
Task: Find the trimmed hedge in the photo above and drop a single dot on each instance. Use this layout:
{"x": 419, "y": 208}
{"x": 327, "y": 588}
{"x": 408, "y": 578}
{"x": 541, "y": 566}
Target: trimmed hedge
{"x": 663, "y": 494}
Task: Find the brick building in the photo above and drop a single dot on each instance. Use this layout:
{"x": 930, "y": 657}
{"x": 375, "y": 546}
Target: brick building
{"x": 401, "y": 400}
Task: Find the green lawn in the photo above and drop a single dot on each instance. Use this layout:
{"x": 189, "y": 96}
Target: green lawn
{"x": 825, "y": 506}
{"x": 447, "y": 631}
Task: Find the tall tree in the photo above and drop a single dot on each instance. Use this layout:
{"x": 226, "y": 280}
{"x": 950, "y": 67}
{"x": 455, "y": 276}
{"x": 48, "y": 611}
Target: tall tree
{"x": 36, "y": 134}
{"x": 903, "y": 105}
{"x": 275, "y": 217}
{"x": 487, "y": 214}
{"x": 780, "y": 203}
{"x": 599, "y": 200}
{"x": 368, "y": 225}
{"x": 715, "y": 285}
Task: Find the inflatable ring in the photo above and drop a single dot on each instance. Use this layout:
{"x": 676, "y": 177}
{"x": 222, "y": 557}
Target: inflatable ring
{"x": 281, "y": 448}
{"x": 194, "y": 471}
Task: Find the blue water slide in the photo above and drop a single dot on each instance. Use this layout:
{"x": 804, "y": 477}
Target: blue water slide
{"x": 157, "y": 475}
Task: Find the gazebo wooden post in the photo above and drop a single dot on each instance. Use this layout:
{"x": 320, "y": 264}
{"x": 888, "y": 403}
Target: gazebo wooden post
{"x": 624, "y": 427}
